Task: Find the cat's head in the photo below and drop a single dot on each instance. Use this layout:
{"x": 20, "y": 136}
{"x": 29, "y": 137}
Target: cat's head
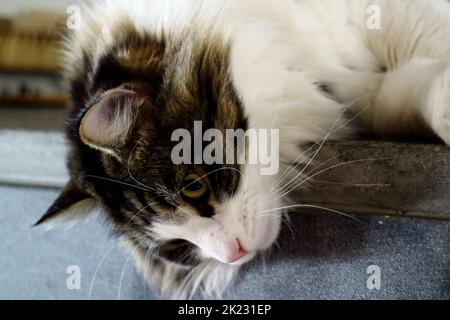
{"x": 190, "y": 226}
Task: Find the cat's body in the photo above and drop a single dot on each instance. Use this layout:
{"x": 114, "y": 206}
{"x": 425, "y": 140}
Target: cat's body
{"x": 138, "y": 70}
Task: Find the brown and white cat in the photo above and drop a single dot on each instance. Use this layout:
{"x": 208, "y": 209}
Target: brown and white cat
{"x": 139, "y": 70}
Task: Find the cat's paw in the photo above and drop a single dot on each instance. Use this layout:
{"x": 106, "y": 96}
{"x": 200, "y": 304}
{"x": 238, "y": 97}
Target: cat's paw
{"x": 440, "y": 104}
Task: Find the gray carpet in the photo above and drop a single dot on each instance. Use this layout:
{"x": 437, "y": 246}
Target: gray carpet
{"x": 326, "y": 258}
{"x": 33, "y": 158}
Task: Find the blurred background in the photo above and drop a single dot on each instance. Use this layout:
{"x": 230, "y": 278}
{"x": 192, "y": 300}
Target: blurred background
{"x": 30, "y": 32}
{"x": 35, "y": 263}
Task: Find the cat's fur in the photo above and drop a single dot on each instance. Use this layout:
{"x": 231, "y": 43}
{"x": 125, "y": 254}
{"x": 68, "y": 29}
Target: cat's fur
{"x": 138, "y": 70}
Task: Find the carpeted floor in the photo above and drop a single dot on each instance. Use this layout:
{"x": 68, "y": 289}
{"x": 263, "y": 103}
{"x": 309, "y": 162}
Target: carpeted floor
{"x": 33, "y": 158}
{"x": 326, "y": 258}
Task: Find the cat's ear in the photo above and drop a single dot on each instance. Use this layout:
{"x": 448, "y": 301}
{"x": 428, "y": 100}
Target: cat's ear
{"x": 72, "y": 204}
{"x": 108, "y": 123}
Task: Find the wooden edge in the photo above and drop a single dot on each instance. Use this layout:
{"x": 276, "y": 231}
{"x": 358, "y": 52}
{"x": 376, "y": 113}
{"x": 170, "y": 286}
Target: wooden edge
{"x": 381, "y": 178}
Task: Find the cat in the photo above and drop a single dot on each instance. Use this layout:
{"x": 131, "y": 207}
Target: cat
{"x": 139, "y": 70}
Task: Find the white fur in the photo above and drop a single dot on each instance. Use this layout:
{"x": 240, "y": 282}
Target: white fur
{"x": 280, "y": 49}
{"x": 86, "y": 210}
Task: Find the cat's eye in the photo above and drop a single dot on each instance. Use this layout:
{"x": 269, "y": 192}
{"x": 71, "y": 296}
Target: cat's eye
{"x": 194, "y": 187}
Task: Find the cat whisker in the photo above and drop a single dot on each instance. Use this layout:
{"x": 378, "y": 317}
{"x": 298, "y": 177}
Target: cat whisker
{"x": 330, "y": 168}
{"x": 141, "y": 188}
{"x": 91, "y": 285}
{"x": 142, "y": 184}
{"x": 294, "y": 164}
{"x": 180, "y": 208}
{"x": 330, "y": 132}
{"x": 320, "y": 166}
{"x": 105, "y": 256}
{"x": 97, "y": 268}
{"x": 263, "y": 262}
{"x": 278, "y": 246}
{"x": 134, "y": 216}
{"x": 179, "y": 191}
{"x": 115, "y": 181}
{"x": 314, "y": 207}
{"x": 187, "y": 281}
{"x": 284, "y": 220}
{"x": 128, "y": 185}
{"x": 321, "y": 145}
{"x": 122, "y": 274}
{"x": 129, "y": 171}
{"x": 146, "y": 261}
{"x": 277, "y": 110}
{"x": 325, "y": 139}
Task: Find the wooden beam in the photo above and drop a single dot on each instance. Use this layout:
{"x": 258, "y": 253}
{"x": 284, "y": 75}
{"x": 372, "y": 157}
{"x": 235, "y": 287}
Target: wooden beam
{"x": 381, "y": 178}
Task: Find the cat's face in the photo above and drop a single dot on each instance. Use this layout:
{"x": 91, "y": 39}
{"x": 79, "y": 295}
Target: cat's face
{"x": 127, "y": 103}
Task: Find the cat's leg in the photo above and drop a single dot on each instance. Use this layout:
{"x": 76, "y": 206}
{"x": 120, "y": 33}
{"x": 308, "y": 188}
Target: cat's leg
{"x": 413, "y": 47}
{"x": 439, "y": 104}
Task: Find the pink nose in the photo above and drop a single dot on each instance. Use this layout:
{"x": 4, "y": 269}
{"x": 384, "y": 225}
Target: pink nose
{"x": 238, "y": 252}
